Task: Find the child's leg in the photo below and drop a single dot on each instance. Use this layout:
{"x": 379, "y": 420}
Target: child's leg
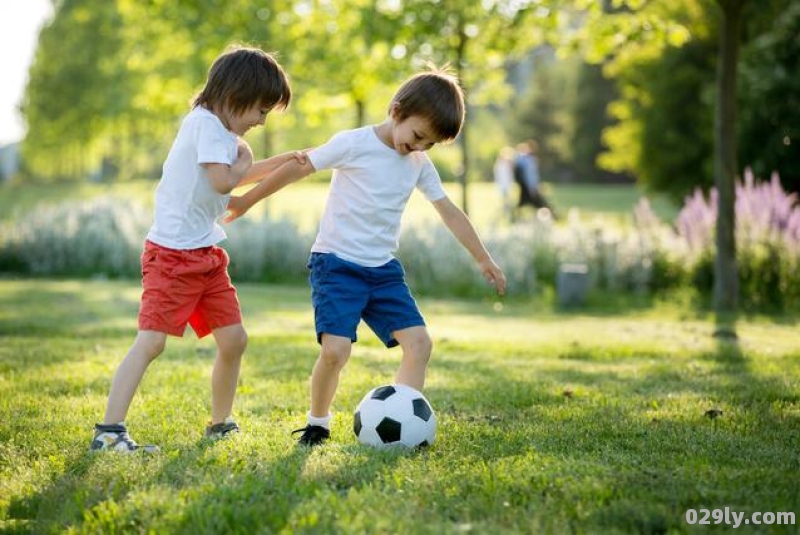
{"x": 417, "y": 345}
{"x": 333, "y": 355}
{"x": 147, "y": 346}
{"x": 231, "y": 343}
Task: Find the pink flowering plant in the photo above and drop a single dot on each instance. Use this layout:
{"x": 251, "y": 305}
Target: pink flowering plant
{"x": 767, "y": 241}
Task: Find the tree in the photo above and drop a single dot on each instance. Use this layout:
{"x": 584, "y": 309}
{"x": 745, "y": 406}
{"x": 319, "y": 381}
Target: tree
{"x": 589, "y": 114}
{"x": 676, "y": 114}
{"x": 354, "y": 47}
{"x": 726, "y": 281}
{"x": 662, "y": 131}
{"x": 74, "y": 88}
{"x": 541, "y": 113}
{"x": 724, "y": 127}
{"x": 564, "y": 108}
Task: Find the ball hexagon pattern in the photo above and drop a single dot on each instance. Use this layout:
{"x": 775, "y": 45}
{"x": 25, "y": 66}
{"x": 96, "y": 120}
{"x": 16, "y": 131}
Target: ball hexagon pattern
{"x": 394, "y": 415}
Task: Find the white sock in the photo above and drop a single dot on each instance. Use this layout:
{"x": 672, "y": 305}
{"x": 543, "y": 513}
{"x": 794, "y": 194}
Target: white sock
{"x": 322, "y": 421}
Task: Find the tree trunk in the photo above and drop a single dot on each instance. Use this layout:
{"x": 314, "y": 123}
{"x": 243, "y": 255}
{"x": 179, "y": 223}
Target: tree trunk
{"x": 361, "y": 113}
{"x": 726, "y": 281}
{"x": 461, "y": 61}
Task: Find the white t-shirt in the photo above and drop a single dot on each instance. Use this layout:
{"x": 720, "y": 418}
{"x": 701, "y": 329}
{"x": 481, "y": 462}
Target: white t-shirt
{"x": 369, "y": 190}
{"x": 503, "y": 175}
{"x": 187, "y": 206}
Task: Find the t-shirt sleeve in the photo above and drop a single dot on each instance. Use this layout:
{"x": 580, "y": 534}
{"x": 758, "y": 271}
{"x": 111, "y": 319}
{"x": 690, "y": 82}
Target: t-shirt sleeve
{"x": 212, "y": 145}
{"x": 430, "y": 184}
{"x": 332, "y": 154}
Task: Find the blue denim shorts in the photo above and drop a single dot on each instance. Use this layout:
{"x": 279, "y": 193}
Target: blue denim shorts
{"x": 343, "y": 293}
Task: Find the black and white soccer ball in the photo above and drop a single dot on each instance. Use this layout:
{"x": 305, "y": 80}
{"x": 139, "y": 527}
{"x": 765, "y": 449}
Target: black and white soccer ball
{"x": 395, "y": 415}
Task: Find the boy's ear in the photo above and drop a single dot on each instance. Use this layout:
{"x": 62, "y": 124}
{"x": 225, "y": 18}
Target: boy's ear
{"x": 394, "y": 109}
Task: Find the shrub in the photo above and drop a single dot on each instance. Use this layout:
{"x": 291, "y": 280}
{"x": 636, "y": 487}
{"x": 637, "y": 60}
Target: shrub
{"x": 767, "y": 241}
{"x": 267, "y": 251}
{"x": 101, "y": 237}
{"x": 104, "y": 237}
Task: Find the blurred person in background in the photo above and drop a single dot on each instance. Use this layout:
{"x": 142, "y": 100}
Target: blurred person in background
{"x": 526, "y": 175}
{"x": 503, "y": 174}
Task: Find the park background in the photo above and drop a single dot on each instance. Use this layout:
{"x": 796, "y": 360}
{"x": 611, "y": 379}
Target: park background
{"x": 653, "y": 392}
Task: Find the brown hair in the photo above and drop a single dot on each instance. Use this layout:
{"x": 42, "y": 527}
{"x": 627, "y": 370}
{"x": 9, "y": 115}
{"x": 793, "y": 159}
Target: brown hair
{"x": 434, "y": 95}
{"x": 244, "y": 77}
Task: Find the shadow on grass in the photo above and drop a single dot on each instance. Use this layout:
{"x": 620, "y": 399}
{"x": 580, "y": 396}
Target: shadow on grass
{"x": 59, "y": 503}
{"x": 212, "y": 487}
{"x": 680, "y": 441}
{"x": 286, "y": 493}
{"x": 501, "y": 397}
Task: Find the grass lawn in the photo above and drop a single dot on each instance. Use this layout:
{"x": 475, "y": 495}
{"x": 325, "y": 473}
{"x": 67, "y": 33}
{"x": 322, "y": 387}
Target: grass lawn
{"x": 549, "y": 422}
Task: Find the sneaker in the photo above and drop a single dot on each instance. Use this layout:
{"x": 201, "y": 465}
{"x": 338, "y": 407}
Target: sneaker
{"x": 313, "y": 435}
{"x": 222, "y": 430}
{"x": 115, "y": 437}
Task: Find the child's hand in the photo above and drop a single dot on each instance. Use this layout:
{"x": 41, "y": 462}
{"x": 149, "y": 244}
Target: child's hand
{"x": 243, "y": 151}
{"x": 237, "y": 207}
{"x": 494, "y": 275}
{"x": 243, "y": 163}
{"x": 300, "y": 156}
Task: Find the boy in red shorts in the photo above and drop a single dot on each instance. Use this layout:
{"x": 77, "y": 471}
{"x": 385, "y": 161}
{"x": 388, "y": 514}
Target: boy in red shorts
{"x": 184, "y": 273}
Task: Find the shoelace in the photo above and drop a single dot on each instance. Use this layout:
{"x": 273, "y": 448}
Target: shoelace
{"x": 126, "y": 438}
{"x": 316, "y": 429}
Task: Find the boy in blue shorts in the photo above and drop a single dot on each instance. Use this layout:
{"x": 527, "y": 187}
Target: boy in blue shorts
{"x": 353, "y": 272}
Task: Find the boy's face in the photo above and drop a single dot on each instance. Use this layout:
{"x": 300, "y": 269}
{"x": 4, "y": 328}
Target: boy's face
{"x": 412, "y": 134}
{"x": 251, "y": 117}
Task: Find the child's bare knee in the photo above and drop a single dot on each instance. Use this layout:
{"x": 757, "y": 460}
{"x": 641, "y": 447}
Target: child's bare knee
{"x": 241, "y": 340}
{"x": 233, "y": 343}
{"x": 149, "y": 346}
{"x": 420, "y": 347}
{"x": 334, "y": 356}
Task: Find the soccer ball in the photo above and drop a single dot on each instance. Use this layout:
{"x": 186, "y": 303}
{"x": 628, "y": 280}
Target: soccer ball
{"x": 394, "y": 415}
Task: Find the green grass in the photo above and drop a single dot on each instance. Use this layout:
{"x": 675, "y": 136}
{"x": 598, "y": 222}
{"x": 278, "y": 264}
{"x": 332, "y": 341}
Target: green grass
{"x": 615, "y": 201}
{"x": 303, "y": 202}
{"x": 549, "y": 422}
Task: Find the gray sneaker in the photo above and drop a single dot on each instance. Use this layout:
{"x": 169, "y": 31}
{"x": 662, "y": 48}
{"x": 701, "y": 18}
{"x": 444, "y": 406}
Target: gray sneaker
{"x": 115, "y": 437}
{"x": 222, "y": 430}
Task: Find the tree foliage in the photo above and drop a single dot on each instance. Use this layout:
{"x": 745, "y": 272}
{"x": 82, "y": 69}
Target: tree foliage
{"x": 662, "y": 65}
{"x": 564, "y": 109}
{"x": 666, "y": 81}
{"x": 541, "y": 112}
{"x": 74, "y": 88}
{"x": 126, "y": 69}
{"x": 110, "y": 80}
{"x": 769, "y": 100}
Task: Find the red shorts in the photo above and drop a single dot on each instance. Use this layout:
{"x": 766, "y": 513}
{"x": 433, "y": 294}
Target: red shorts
{"x": 186, "y": 286}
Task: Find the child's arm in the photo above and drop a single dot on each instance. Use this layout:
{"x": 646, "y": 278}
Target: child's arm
{"x": 262, "y": 168}
{"x": 461, "y": 227}
{"x": 225, "y": 177}
{"x": 290, "y": 171}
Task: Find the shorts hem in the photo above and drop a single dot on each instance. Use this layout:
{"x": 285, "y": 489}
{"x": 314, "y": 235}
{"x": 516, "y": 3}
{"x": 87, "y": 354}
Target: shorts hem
{"x": 335, "y": 332}
{"x": 411, "y": 322}
{"x": 208, "y": 330}
{"x": 161, "y": 329}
